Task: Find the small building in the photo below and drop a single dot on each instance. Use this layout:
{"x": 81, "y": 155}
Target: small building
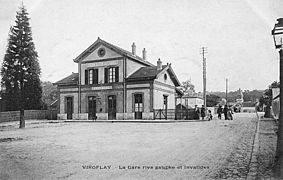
{"x": 113, "y": 83}
{"x": 190, "y": 101}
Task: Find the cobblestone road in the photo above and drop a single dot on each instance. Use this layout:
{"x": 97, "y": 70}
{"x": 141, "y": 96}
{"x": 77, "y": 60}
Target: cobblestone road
{"x": 215, "y": 149}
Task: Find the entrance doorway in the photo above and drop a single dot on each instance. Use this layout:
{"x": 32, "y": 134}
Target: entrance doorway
{"x": 165, "y": 104}
{"x": 92, "y": 107}
{"x": 138, "y": 106}
{"x": 69, "y": 107}
{"x": 111, "y": 107}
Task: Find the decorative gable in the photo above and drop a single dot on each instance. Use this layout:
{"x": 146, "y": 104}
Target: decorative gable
{"x": 164, "y": 77}
{"x": 100, "y": 52}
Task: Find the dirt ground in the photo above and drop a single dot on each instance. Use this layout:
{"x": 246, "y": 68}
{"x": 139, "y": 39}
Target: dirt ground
{"x": 214, "y": 149}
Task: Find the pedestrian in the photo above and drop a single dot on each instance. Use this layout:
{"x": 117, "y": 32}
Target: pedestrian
{"x": 219, "y": 111}
{"x": 230, "y": 112}
{"x": 196, "y": 112}
{"x": 225, "y": 111}
{"x": 202, "y": 112}
{"x": 209, "y": 115}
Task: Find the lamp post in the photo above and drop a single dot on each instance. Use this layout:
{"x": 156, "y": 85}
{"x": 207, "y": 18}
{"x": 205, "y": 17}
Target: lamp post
{"x": 277, "y": 33}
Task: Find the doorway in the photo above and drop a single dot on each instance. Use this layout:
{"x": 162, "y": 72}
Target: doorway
{"x": 92, "y": 107}
{"x": 69, "y": 107}
{"x": 138, "y": 105}
{"x": 111, "y": 107}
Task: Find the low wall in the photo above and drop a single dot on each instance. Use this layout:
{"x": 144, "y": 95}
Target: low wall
{"x": 29, "y": 114}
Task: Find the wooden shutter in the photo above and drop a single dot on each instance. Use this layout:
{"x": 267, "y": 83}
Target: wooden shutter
{"x": 106, "y": 75}
{"x": 86, "y": 77}
{"x": 95, "y": 76}
{"x": 116, "y": 74}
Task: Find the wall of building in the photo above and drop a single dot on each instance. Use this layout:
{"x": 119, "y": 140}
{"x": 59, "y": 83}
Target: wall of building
{"x": 108, "y": 54}
{"x": 100, "y": 66}
{"x": 167, "y": 81}
{"x": 145, "y": 90}
{"x": 63, "y": 94}
{"x": 159, "y": 90}
{"x": 132, "y": 66}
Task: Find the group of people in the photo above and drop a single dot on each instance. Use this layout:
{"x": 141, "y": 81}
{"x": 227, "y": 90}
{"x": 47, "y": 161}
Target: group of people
{"x": 226, "y": 111}
{"x": 202, "y": 113}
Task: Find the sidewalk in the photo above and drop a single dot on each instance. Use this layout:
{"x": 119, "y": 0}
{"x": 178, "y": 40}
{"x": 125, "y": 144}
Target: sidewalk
{"x": 264, "y": 149}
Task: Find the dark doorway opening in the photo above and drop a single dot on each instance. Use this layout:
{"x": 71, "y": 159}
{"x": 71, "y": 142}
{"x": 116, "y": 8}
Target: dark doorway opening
{"x": 92, "y": 107}
{"x": 111, "y": 107}
{"x": 138, "y": 105}
{"x": 69, "y": 107}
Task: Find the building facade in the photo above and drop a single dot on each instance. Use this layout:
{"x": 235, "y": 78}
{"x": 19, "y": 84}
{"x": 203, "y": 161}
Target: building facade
{"x": 113, "y": 83}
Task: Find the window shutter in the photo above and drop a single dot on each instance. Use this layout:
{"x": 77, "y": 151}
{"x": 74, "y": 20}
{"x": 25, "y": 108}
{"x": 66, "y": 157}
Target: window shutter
{"x": 116, "y": 74}
{"x": 86, "y": 77}
{"x": 95, "y": 76}
{"x": 106, "y": 75}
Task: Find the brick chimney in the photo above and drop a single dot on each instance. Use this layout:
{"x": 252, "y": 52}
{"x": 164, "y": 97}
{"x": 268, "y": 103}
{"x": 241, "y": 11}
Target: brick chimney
{"x": 159, "y": 64}
{"x": 144, "y": 54}
{"x": 133, "y": 49}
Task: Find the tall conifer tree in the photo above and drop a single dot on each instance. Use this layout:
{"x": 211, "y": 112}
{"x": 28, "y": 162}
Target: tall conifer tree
{"x": 20, "y": 69}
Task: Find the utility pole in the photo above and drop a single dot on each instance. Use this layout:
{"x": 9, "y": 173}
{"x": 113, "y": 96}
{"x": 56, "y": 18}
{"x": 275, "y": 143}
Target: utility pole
{"x": 203, "y": 51}
{"x": 226, "y": 91}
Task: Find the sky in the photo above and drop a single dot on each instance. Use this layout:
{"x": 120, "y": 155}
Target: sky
{"x": 237, "y": 34}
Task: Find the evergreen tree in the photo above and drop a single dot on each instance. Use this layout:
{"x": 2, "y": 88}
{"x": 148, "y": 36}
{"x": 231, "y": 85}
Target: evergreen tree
{"x": 20, "y": 69}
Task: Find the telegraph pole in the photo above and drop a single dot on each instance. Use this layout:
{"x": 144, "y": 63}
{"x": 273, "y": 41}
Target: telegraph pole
{"x": 203, "y": 51}
{"x": 226, "y": 91}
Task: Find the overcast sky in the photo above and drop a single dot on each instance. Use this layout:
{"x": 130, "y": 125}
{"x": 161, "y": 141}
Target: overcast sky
{"x": 236, "y": 33}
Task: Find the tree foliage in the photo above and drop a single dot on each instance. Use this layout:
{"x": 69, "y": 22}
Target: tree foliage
{"x": 212, "y": 100}
{"x": 188, "y": 87}
{"x": 49, "y": 93}
{"x": 20, "y": 69}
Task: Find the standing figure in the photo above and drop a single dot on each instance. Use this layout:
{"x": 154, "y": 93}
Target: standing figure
{"x": 196, "y": 112}
{"x": 209, "y": 115}
{"x": 219, "y": 111}
{"x": 230, "y": 112}
{"x": 225, "y": 111}
{"x": 202, "y": 112}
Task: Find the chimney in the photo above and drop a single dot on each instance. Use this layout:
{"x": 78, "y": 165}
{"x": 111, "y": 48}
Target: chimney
{"x": 134, "y": 49}
{"x": 159, "y": 64}
{"x": 144, "y": 54}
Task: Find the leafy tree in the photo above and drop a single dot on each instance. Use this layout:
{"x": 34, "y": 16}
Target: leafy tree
{"x": 212, "y": 100}
{"x": 49, "y": 93}
{"x": 20, "y": 69}
{"x": 188, "y": 87}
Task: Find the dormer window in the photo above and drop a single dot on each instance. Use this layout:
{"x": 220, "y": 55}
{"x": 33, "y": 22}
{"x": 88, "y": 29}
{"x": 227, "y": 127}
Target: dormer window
{"x": 91, "y": 76}
{"x": 111, "y": 74}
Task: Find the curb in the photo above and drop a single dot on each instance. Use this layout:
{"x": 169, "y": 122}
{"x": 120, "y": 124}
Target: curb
{"x": 131, "y": 121}
{"x": 253, "y": 165}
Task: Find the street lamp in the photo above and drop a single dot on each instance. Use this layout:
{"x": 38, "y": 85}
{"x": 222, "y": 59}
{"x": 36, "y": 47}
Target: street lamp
{"x": 277, "y": 33}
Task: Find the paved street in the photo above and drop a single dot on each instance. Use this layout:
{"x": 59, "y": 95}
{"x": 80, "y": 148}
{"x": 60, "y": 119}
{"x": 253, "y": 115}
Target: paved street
{"x": 215, "y": 149}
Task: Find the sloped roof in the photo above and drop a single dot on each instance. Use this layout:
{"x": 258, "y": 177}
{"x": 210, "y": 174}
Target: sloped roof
{"x": 150, "y": 73}
{"x": 146, "y": 73}
{"x": 117, "y": 49}
{"x": 72, "y": 79}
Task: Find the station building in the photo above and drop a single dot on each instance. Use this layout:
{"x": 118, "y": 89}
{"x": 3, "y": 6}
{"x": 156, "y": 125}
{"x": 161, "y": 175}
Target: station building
{"x": 113, "y": 83}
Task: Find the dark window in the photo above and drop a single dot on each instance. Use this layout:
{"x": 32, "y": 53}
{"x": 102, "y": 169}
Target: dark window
{"x": 91, "y": 76}
{"x": 138, "y": 103}
{"x": 111, "y": 74}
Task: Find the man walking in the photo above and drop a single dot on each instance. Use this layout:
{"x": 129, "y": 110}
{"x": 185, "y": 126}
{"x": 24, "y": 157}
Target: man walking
{"x": 219, "y": 111}
{"x": 225, "y": 111}
{"x": 202, "y": 112}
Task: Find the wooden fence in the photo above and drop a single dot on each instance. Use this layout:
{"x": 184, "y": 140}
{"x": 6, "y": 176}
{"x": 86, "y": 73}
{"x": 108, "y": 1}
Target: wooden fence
{"x": 29, "y": 114}
{"x": 176, "y": 114}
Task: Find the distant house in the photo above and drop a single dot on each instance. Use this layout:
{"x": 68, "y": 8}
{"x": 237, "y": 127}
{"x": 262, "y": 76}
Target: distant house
{"x": 113, "y": 83}
{"x": 190, "y": 101}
